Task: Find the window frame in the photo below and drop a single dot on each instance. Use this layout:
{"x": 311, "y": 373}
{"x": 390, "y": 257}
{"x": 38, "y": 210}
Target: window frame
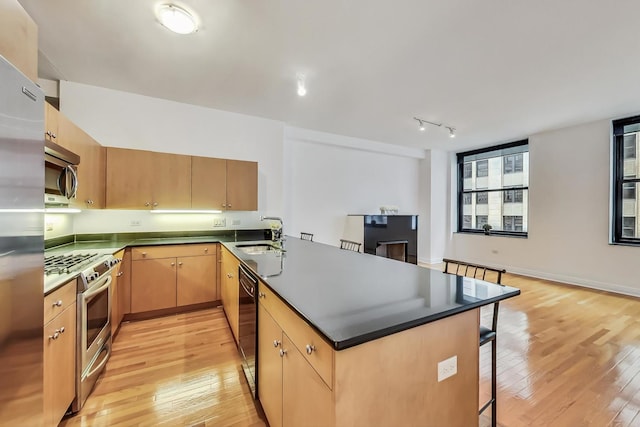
{"x": 619, "y": 180}
{"x": 460, "y": 167}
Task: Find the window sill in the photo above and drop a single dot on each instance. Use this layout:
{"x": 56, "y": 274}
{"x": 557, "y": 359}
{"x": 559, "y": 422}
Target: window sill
{"x": 494, "y": 233}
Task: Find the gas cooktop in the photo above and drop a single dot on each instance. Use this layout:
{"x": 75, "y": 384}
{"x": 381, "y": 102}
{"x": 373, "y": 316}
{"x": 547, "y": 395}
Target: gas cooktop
{"x": 67, "y": 263}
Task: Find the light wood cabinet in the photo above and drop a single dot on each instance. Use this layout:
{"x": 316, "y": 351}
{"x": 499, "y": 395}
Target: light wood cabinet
{"x": 91, "y": 170}
{"x": 59, "y": 342}
{"x": 224, "y": 184}
{"x": 314, "y": 385}
{"x": 117, "y": 293}
{"x": 291, "y": 391}
{"x": 137, "y": 179}
{"x": 229, "y": 290}
{"x": 19, "y": 38}
{"x": 50, "y": 122}
{"x": 172, "y": 276}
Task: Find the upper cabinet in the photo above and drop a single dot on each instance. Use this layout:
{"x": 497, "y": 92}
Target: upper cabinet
{"x": 91, "y": 170}
{"x": 224, "y": 184}
{"x": 19, "y": 38}
{"x": 138, "y": 179}
{"x": 50, "y": 122}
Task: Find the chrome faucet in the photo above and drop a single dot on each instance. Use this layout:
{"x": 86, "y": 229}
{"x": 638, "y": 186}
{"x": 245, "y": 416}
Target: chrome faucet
{"x": 277, "y": 235}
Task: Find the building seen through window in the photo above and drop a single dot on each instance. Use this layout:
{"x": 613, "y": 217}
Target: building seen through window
{"x": 626, "y": 176}
{"x": 493, "y": 188}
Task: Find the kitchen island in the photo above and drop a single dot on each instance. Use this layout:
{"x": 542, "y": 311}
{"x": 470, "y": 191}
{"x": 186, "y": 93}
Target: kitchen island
{"x": 346, "y": 338}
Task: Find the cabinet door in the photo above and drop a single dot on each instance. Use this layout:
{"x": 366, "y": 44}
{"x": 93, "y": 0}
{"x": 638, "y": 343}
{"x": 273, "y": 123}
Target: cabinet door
{"x": 208, "y": 183}
{"x": 242, "y": 185}
{"x": 196, "y": 280}
{"x": 129, "y": 178}
{"x": 230, "y": 290}
{"x": 124, "y": 281}
{"x": 59, "y": 365}
{"x": 50, "y": 122}
{"x": 19, "y": 38}
{"x": 91, "y": 170}
{"x": 306, "y": 398}
{"x": 153, "y": 284}
{"x": 269, "y": 367}
{"x": 171, "y": 185}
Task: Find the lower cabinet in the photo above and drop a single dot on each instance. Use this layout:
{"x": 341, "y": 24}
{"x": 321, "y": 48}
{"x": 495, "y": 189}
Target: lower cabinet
{"x": 59, "y": 352}
{"x": 173, "y": 276}
{"x": 291, "y": 392}
{"x": 118, "y": 292}
{"x": 229, "y": 290}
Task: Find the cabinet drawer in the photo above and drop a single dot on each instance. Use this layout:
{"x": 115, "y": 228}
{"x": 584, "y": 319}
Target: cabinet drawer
{"x": 58, "y": 300}
{"x": 173, "y": 251}
{"x": 315, "y": 349}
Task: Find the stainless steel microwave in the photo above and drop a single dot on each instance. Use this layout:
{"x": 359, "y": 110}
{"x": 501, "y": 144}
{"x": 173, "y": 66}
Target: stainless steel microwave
{"x": 60, "y": 174}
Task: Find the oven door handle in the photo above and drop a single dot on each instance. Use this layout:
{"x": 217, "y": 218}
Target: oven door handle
{"x": 101, "y": 364}
{"x": 247, "y": 290}
{"x": 93, "y": 292}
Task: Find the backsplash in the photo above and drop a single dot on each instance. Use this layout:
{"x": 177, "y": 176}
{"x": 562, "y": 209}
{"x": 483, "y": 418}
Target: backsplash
{"x": 132, "y": 221}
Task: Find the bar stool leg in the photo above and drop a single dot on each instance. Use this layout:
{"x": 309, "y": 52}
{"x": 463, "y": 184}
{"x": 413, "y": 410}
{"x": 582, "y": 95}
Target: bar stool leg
{"x": 494, "y": 396}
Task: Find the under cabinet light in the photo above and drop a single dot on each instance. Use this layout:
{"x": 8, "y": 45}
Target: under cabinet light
{"x": 61, "y": 210}
{"x": 183, "y": 211}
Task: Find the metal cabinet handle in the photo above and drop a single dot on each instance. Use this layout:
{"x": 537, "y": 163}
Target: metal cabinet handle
{"x": 54, "y": 336}
{"x": 228, "y": 205}
{"x": 155, "y": 204}
{"x": 172, "y": 264}
{"x": 206, "y": 249}
{"x": 58, "y": 303}
{"x": 144, "y": 254}
{"x": 47, "y": 133}
{"x": 62, "y": 330}
{"x": 276, "y": 343}
{"x": 310, "y": 348}
{"x": 229, "y": 275}
{"x": 120, "y": 273}
{"x": 180, "y": 263}
{"x": 147, "y": 204}
{"x": 282, "y": 352}
{"x": 261, "y": 295}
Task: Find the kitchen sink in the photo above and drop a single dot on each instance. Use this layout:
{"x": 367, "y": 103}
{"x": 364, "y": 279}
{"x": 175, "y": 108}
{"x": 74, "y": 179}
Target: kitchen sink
{"x": 258, "y": 248}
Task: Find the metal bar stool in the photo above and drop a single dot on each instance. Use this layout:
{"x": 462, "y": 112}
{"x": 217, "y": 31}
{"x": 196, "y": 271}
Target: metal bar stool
{"x": 461, "y": 268}
{"x": 350, "y": 245}
{"x": 306, "y": 236}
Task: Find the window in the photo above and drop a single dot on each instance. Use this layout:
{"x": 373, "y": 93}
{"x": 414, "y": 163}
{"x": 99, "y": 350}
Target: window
{"x": 482, "y": 198}
{"x": 482, "y": 168}
{"x": 512, "y": 223}
{"x": 626, "y": 176}
{"x": 468, "y": 170}
{"x": 513, "y": 196}
{"x": 629, "y": 226}
{"x": 500, "y": 187}
{"x": 513, "y": 163}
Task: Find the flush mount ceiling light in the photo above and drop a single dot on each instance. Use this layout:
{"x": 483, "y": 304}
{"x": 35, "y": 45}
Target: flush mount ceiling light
{"x": 302, "y": 87}
{"x": 421, "y": 123}
{"x": 176, "y": 19}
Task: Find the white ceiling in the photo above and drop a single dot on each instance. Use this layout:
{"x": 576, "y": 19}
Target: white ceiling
{"x": 496, "y": 70}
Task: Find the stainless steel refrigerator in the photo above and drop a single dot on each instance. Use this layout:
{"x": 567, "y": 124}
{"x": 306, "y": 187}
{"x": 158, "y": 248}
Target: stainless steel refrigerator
{"x": 21, "y": 248}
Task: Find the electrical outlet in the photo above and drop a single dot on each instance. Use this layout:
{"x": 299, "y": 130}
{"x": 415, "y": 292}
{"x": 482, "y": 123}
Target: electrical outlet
{"x": 447, "y": 368}
{"x": 48, "y": 226}
{"x": 235, "y": 222}
{"x": 135, "y": 223}
{"x": 219, "y": 222}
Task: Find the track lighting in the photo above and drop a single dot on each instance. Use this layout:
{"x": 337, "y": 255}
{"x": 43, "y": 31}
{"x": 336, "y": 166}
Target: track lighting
{"x": 421, "y": 123}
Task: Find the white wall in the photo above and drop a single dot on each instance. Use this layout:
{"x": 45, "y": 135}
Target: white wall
{"x": 312, "y": 179}
{"x": 331, "y": 176}
{"x": 568, "y": 217}
{"x": 433, "y": 199}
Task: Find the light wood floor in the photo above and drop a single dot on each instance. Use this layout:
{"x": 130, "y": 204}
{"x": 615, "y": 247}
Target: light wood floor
{"x": 567, "y": 356}
{"x": 180, "y": 370}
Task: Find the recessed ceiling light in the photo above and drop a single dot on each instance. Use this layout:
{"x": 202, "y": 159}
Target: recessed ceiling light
{"x": 176, "y": 19}
{"x": 302, "y": 88}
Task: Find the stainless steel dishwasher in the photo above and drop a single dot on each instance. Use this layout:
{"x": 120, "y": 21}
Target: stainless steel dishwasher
{"x": 248, "y": 316}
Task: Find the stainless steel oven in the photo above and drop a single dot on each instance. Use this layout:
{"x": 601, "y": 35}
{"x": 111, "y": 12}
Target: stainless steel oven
{"x": 248, "y": 316}
{"x": 94, "y": 336}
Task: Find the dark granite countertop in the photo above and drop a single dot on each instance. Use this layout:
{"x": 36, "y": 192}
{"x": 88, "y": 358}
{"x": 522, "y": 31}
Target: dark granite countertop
{"x": 351, "y": 298}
